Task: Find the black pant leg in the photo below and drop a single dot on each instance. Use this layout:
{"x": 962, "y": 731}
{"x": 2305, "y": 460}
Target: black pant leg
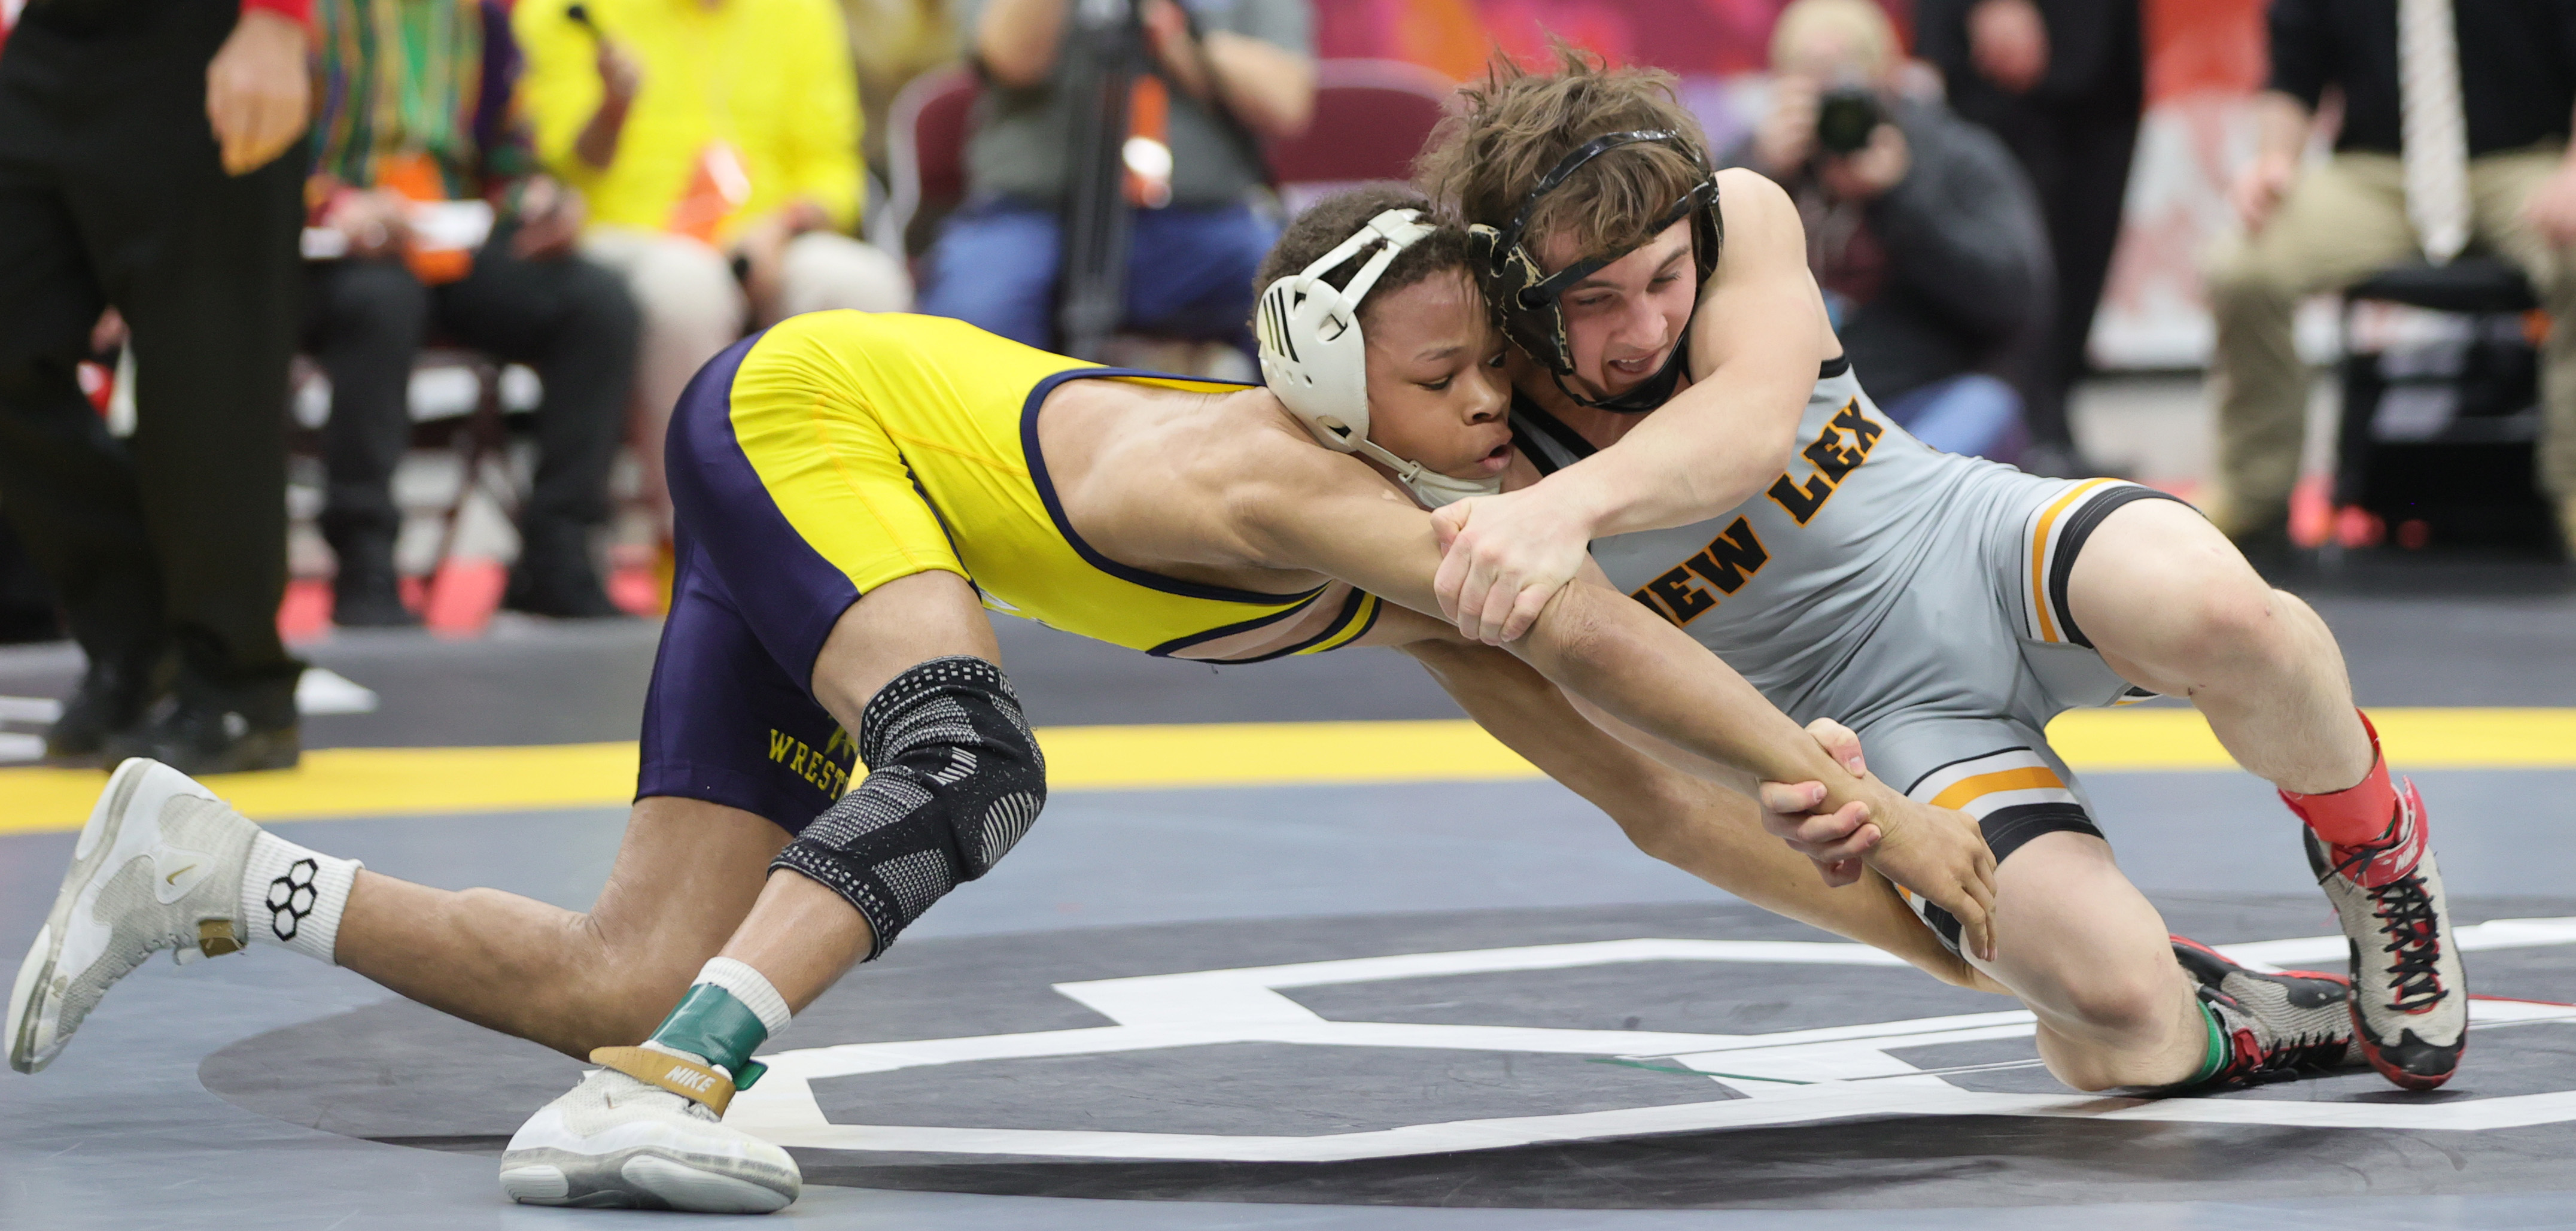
{"x": 364, "y": 322}
{"x": 66, "y": 486}
{"x": 2077, "y": 158}
{"x": 2095, "y": 149}
{"x": 204, "y": 266}
{"x": 576, "y": 325}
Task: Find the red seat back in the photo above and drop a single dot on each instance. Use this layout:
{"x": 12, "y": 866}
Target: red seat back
{"x": 926, "y": 155}
{"x": 1372, "y": 118}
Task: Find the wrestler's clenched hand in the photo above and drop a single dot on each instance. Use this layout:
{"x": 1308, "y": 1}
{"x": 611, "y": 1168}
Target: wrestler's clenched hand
{"x": 1502, "y": 558}
{"x": 1941, "y": 855}
{"x": 1834, "y": 840}
{"x": 1937, "y": 853}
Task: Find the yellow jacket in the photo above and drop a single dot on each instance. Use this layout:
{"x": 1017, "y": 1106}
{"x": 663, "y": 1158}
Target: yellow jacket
{"x": 770, "y": 77}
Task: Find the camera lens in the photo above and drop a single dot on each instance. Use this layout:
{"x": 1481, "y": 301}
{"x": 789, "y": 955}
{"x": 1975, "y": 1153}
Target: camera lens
{"x": 1844, "y": 119}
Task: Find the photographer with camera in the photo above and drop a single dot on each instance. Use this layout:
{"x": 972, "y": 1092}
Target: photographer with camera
{"x": 1921, "y": 230}
{"x": 1220, "y": 77}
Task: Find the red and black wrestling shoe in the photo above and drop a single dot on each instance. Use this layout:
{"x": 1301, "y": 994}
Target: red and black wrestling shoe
{"x": 2410, "y": 997}
{"x": 2279, "y": 1024}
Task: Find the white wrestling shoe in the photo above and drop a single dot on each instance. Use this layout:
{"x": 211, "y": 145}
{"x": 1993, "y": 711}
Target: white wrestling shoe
{"x": 618, "y": 1141}
{"x": 159, "y": 866}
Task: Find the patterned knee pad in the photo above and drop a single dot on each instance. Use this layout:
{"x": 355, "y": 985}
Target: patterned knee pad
{"x": 954, "y": 779}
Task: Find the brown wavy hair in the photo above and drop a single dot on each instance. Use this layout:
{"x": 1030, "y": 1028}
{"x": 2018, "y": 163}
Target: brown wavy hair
{"x": 1515, "y": 125}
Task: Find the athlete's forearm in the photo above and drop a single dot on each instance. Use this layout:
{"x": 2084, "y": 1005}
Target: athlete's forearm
{"x": 1710, "y": 449}
{"x": 1701, "y": 828}
{"x": 1602, "y": 646}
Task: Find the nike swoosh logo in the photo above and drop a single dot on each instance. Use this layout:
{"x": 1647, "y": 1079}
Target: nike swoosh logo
{"x": 173, "y": 878}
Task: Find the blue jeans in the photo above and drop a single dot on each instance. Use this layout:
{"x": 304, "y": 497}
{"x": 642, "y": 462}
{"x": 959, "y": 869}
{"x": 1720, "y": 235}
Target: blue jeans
{"x": 1189, "y": 270}
{"x": 1970, "y": 414}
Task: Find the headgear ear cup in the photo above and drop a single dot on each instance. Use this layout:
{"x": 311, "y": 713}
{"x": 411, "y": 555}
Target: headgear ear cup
{"x": 1314, "y": 357}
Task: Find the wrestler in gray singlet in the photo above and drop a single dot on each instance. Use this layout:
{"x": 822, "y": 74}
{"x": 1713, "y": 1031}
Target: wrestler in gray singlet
{"x": 1915, "y": 596}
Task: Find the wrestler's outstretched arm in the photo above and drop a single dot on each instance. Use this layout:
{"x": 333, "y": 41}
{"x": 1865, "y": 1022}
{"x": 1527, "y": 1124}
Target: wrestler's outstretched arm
{"x": 1698, "y": 826}
{"x": 1310, "y": 509}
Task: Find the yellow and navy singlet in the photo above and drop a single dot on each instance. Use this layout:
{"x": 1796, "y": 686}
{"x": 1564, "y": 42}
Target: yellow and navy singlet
{"x": 895, "y": 444}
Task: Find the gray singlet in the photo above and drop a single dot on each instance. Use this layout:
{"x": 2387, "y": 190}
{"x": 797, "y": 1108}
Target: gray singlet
{"x": 1915, "y": 596}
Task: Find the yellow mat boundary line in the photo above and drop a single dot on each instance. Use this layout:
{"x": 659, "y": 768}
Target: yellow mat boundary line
{"x": 348, "y": 783}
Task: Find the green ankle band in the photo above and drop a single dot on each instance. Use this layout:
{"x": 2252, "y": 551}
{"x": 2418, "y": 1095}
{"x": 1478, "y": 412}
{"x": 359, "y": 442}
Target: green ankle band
{"x": 2215, "y": 1058}
{"x": 717, "y": 1028}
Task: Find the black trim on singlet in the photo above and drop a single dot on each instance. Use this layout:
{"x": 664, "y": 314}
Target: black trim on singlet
{"x": 1528, "y": 446}
{"x": 1833, "y": 367}
{"x": 1926, "y": 775}
{"x": 2007, "y": 830}
{"x": 1350, "y": 608}
{"x": 1064, "y": 525}
{"x": 2010, "y": 829}
{"x": 1177, "y": 644}
{"x": 1525, "y": 410}
{"x": 2070, "y": 542}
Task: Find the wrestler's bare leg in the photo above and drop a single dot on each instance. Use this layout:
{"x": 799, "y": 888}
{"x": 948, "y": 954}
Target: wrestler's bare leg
{"x": 690, "y": 880}
{"x": 2174, "y": 608}
{"x": 685, "y": 876}
{"x": 800, "y": 935}
{"x": 2089, "y": 957}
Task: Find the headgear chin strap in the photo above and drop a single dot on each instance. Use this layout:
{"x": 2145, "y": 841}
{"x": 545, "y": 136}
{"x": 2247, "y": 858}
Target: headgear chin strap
{"x": 1314, "y": 359}
{"x": 1528, "y": 298}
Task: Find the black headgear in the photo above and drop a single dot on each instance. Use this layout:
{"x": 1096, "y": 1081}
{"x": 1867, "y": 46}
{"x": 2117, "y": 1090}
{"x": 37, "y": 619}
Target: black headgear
{"x": 1526, "y": 298}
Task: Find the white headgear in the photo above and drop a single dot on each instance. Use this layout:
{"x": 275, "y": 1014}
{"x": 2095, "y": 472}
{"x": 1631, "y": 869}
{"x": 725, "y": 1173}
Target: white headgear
{"x": 1313, "y": 358}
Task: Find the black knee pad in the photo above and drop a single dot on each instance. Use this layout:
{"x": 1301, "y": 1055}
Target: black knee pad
{"x": 954, "y": 779}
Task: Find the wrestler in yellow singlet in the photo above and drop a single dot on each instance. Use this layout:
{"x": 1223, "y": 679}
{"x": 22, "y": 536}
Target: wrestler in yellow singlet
{"x": 870, "y": 431}
{"x": 839, "y": 451}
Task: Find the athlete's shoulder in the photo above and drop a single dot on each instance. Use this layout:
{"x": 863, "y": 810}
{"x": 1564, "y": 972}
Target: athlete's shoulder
{"x": 1759, "y": 215}
{"x": 1274, "y": 480}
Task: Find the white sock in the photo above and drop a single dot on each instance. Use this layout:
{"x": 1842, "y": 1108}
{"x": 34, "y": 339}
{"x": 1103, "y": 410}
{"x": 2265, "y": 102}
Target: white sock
{"x": 292, "y": 896}
{"x": 750, "y": 987}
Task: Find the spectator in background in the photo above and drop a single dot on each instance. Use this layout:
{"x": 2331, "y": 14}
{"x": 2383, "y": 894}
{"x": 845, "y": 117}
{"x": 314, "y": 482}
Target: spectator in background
{"x": 416, "y": 109}
{"x": 2062, "y": 81}
{"x": 892, "y": 42}
{"x": 26, "y": 603}
{"x": 717, "y": 142}
{"x": 1920, "y": 230}
{"x": 148, "y": 160}
{"x": 2379, "y": 201}
{"x": 1236, "y": 71}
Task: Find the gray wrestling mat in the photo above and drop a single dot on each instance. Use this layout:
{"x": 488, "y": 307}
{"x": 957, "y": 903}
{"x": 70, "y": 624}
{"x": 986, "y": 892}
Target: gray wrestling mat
{"x": 1677, "y": 1056}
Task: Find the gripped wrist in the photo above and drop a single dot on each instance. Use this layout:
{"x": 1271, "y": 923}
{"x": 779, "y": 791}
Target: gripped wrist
{"x": 1582, "y": 499}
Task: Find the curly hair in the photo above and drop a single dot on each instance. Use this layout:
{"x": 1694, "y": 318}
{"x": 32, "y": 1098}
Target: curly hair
{"x": 1515, "y": 125}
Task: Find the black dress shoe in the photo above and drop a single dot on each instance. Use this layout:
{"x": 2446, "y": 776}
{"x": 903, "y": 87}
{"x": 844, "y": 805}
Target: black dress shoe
{"x": 564, "y": 598}
{"x": 555, "y": 576}
{"x": 204, "y": 735}
{"x": 370, "y": 599}
{"x": 112, "y": 698}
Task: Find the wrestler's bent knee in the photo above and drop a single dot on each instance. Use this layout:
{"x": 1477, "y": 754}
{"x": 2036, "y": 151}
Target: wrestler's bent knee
{"x": 954, "y": 779}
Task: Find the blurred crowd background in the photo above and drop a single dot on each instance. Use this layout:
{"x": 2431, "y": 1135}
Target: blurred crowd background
{"x": 436, "y": 270}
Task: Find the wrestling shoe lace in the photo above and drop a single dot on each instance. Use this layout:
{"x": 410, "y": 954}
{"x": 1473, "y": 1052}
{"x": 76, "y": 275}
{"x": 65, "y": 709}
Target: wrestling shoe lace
{"x": 2294, "y": 1021}
{"x": 2269, "y": 1043}
{"x": 2409, "y": 992}
{"x": 2413, "y": 927}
